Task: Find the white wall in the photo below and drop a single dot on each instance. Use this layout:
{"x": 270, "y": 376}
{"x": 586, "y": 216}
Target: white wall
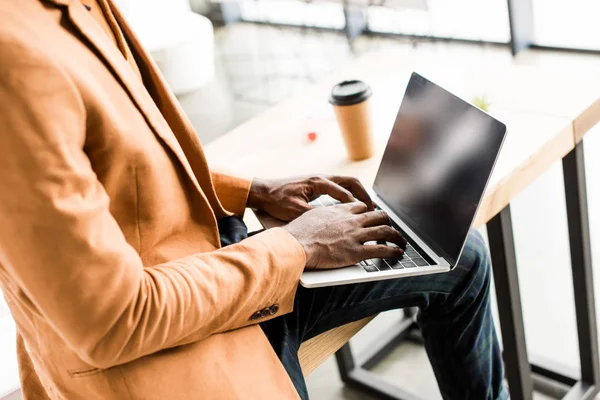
{"x": 9, "y": 374}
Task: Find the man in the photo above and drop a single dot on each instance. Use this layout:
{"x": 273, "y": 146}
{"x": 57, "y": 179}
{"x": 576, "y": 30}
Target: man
{"x": 111, "y": 227}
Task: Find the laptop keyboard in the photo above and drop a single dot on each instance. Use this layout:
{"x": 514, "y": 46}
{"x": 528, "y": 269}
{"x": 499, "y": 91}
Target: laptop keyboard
{"x": 324, "y": 201}
{"x": 410, "y": 259}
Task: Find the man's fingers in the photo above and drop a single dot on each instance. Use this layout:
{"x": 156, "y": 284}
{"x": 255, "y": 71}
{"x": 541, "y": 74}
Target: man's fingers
{"x": 325, "y": 186}
{"x": 381, "y": 251}
{"x": 301, "y": 206}
{"x": 383, "y": 232}
{"x": 354, "y": 186}
{"x": 355, "y": 207}
{"x": 374, "y": 218}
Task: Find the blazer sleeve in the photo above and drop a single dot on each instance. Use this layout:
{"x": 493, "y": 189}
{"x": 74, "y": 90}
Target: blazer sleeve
{"x": 64, "y": 253}
{"x": 232, "y": 192}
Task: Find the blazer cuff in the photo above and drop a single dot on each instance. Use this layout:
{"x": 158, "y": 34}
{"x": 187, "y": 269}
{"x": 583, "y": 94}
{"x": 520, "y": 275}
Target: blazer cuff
{"x": 232, "y": 192}
{"x": 289, "y": 257}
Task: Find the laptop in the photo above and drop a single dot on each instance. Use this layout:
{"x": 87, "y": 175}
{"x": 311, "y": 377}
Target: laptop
{"x": 431, "y": 180}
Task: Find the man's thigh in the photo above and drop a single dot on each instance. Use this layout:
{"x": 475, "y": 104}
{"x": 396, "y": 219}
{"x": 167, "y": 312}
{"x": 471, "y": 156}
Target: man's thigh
{"x": 322, "y": 309}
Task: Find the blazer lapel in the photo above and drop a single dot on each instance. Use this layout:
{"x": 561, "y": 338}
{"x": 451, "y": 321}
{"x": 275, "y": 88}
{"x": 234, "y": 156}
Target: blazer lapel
{"x": 90, "y": 30}
{"x": 169, "y": 107}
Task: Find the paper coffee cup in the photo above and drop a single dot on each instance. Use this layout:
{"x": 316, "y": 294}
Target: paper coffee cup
{"x": 350, "y": 100}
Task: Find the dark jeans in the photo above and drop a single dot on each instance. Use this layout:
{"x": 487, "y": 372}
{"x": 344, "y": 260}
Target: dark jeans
{"x": 455, "y": 319}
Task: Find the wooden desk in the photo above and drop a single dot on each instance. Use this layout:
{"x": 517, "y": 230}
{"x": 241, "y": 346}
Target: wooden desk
{"x": 547, "y": 114}
{"x": 541, "y": 128}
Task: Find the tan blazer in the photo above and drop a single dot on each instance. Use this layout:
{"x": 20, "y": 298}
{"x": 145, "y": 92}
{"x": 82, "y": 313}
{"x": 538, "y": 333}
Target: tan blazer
{"x": 109, "y": 249}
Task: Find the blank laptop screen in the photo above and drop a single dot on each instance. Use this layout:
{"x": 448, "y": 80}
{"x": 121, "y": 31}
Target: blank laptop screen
{"x": 436, "y": 165}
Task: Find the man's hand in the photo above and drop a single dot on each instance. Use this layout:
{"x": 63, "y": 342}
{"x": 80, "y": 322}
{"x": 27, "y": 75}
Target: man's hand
{"x": 334, "y": 236}
{"x": 287, "y": 199}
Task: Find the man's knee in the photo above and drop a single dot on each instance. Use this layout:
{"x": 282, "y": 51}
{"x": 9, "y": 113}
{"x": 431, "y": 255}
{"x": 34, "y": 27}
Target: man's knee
{"x": 469, "y": 282}
{"x": 475, "y": 258}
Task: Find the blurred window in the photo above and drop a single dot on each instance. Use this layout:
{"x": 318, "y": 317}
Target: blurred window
{"x": 318, "y": 13}
{"x": 485, "y": 20}
{"x": 567, "y": 23}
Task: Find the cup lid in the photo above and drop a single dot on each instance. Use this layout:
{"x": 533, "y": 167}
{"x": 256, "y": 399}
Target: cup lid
{"x": 348, "y": 93}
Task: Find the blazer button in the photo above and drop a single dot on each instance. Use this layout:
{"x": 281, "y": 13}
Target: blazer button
{"x": 256, "y": 316}
{"x": 274, "y": 308}
{"x": 264, "y": 313}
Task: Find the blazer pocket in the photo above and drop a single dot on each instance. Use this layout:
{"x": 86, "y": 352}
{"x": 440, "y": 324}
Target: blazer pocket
{"x": 85, "y": 372}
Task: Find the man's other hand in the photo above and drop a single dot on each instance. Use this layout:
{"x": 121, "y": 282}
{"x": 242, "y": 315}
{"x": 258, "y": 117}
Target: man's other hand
{"x": 287, "y": 199}
{"x": 335, "y": 236}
